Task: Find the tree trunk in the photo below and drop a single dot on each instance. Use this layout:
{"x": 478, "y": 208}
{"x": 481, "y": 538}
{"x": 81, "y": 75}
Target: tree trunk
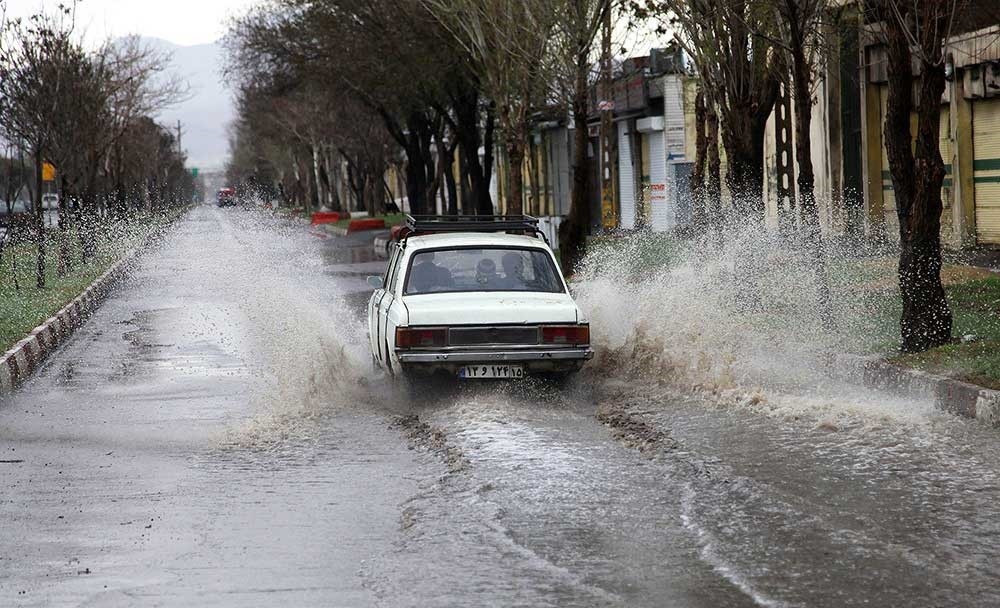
{"x": 64, "y": 264}
{"x": 468, "y": 203}
{"x": 418, "y": 159}
{"x": 297, "y": 173}
{"x": 39, "y": 221}
{"x": 515, "y": 186}
{"x": 713, "y": 185}
{"x": 697, "y": 184}
{"x": 484, "y": 201}
{"x": 917, "y": 175}
{"x": 425, "y": 136}
{"x": 320, "y": 199}
{"x": 744, "y": 124}
{"x": 806, "y": 181}
{"x": 451, "y": 187}
{"x": 574, "y": 229}
{"x": 744, "y": 145}
{"x": 475, "y": 171}
{"x": 378, "y": 184}
{"x": 415, "y": 187}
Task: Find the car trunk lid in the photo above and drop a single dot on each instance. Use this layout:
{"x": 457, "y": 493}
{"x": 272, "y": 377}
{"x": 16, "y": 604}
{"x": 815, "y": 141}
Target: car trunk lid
{"x": 490, "y": 308}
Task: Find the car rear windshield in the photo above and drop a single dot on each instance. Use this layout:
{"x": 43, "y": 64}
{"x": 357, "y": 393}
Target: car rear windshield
{"x": 486, "y": 269}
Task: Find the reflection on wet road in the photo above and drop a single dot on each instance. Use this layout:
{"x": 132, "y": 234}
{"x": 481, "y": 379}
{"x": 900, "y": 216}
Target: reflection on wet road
{"x": 214, "y": 436}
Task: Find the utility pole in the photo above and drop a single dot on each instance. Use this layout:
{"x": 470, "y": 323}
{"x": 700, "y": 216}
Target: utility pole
{"x": 180, "y": 134}
{"x": 606, "y": 105}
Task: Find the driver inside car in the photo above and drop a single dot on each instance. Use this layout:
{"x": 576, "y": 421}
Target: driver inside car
{"x": 428, "y": 276}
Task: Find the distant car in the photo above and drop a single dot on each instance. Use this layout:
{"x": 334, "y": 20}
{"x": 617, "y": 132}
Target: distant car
{"x": 226, "y": 197}
{"x": 50, "y": 201}
{"x": 463, "y": 298}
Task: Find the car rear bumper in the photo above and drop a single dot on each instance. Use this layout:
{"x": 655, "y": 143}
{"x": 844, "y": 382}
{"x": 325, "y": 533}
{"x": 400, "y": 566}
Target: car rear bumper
{"x": 534, "y": 360}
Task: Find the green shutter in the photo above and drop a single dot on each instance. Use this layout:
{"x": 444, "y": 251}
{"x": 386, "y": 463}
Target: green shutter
{"x": 986, "y": 146}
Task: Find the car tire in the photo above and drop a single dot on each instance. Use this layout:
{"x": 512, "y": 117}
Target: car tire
{"x": 388, "y": 361}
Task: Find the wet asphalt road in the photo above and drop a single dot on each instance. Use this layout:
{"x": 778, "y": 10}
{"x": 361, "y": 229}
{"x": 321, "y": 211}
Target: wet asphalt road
{"x": 214, "y": 436}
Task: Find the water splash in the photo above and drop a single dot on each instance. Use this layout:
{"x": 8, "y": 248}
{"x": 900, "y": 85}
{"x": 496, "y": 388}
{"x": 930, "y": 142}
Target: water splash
{"x": 740, "y": 321}
{"x": 310, "y": 350}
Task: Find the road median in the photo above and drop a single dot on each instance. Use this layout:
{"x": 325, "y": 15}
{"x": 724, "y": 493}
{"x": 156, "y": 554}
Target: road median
{"x": 27, "y": 354}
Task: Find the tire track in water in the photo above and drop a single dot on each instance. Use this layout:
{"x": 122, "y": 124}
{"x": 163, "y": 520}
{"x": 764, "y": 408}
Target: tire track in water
{"x": 558, "y": 512}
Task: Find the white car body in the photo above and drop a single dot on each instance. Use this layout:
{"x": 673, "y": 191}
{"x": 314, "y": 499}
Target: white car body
{"x": 482, "y": 327}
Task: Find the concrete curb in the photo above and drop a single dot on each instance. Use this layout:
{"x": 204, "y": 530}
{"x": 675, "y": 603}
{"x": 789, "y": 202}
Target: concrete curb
{"x": 949, "y": 395}
{"x": 337, "y": 230}
{"x": 25, "y": 357}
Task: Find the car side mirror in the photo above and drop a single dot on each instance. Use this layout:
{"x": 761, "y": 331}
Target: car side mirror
{"x": 375, "y": 282}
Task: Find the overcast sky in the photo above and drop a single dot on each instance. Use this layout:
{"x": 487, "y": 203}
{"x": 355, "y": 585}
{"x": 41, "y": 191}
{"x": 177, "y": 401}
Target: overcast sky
{"x": 183, "y": 22}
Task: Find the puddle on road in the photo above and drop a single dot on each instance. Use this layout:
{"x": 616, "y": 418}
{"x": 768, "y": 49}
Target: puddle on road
{"x": 813, "y": 496}
{"x": 549, "y": 513}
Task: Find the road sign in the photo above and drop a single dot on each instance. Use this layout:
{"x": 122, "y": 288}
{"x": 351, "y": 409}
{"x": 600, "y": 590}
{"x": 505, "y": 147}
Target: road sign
{"x": 48, "y": 172}
{"x": 194, "y": 171}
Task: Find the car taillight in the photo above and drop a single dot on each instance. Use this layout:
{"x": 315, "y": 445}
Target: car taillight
{"x": 566, "y": 334}
{"x": 407, "y": 337}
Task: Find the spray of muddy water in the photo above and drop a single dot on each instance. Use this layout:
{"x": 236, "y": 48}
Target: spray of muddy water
{"x": 737, "y": 317}
{"x": 310, "y": 351}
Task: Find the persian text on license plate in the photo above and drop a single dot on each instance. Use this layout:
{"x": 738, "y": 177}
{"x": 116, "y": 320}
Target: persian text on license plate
{"x": 491, "y": 371}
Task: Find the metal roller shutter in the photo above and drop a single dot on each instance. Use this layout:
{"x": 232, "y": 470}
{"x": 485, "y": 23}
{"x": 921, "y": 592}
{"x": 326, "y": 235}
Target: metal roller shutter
{"x": 660, "y": 208}
{"x": 986, "y": 165}
{"x": 626, "y": 177}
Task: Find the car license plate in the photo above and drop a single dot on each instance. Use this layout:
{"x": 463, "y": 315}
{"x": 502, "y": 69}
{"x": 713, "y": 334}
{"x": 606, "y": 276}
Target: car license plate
{"x": 492, "y": 371}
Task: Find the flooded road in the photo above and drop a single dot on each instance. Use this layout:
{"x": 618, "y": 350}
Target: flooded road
{"x": 215, "y": 436}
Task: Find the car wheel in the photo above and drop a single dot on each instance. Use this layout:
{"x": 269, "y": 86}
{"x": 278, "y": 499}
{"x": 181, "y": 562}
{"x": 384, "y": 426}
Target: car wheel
{"x": 388, "y": 361}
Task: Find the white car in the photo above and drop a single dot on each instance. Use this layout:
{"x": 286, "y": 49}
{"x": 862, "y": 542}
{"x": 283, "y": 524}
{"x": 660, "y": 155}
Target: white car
{"x": 462, "y": 297}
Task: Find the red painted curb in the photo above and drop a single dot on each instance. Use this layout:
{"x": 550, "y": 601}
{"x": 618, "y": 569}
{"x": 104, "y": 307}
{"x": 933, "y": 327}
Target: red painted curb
{"x": 326, "y": 217}
{"x": 368, "y": 224}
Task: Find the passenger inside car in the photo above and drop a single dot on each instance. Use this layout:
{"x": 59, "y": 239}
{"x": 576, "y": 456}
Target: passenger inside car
{"x": 428, "y": 276}
{"x": 513, "y": 272}
{"x": 486, "y": 274}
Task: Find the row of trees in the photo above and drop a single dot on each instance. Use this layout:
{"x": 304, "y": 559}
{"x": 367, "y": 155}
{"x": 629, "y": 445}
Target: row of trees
{"x": 746, "y": 50}
{"x": 412, "y": 83}
{"x": 88, "y": 114}
{"x": 418, "y": 84}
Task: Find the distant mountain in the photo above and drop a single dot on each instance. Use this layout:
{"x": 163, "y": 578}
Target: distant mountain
{"x": 205, "y": 117}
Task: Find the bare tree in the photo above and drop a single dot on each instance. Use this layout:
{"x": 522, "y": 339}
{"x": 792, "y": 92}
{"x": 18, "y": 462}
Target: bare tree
{"x": 915, "y": 32}
{"x": 577, "y": 25}
{"x": 507, "y": 43}
{"x": 138, "y": 85}
{"x": 363, "y": 46}
{"x": 32, "y": 77}
{"x": 697, "y": 184}
{"x": 740, "y": 73}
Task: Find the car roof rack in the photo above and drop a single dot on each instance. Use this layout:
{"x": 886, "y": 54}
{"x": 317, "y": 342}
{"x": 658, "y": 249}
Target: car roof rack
{"x": 424, "y": 224}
